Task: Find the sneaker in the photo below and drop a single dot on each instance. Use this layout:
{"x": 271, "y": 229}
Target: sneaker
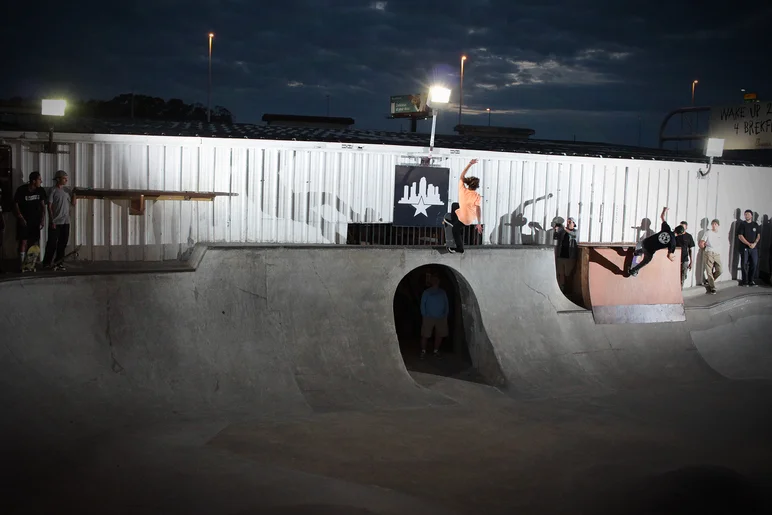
{"x": 713, "y": 292}
{"x": 632, "y": 273}
{"x": 452, "y": 251}
{"x": 436, "y": 354}
{"x": 423, "y": 354}
{"x": 752, "y": 284}
{"x": 60, "y": 268}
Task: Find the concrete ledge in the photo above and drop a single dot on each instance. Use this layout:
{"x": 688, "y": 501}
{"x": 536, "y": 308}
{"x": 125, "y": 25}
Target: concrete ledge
{"x": 639, "y": 314}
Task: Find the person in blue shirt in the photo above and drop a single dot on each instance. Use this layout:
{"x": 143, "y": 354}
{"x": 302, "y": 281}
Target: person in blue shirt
{"x": 434, "y": 311}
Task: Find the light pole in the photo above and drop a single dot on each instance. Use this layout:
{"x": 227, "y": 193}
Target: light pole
{"x": 209, "y": 90}
{"x": 437, "y": 95}
{"x": 489, "y": 116}
{"x": 694, "y": 83}
{"x": 461, "y": 89}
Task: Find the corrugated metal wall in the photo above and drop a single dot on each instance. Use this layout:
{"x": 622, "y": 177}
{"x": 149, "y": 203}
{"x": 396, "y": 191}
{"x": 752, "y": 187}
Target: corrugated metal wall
{"x": 296, "y": 192}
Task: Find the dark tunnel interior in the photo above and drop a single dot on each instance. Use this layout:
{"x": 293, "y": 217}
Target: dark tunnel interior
{"x": 455, "y": 360}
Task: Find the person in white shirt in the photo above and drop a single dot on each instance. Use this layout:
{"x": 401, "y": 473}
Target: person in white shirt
{"x": 713, "y": 246}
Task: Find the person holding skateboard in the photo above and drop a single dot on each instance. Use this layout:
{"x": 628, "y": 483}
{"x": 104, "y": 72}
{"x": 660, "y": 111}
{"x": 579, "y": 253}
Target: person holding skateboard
{"x": 469, "y": 211}
{"x": 30, "y": 210}
{"x": 664, "y": 239}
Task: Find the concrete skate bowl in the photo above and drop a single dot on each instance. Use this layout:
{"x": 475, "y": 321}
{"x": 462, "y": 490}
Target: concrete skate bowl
{"x": 275, "y": 330}
{"x": 117, "y": 386}
{"x": 733, "y": 336}
{"x": 466, "y": 353}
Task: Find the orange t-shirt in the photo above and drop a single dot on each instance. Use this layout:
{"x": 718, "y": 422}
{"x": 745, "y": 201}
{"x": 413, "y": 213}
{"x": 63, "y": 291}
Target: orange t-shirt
{"x": 468, "y": 200}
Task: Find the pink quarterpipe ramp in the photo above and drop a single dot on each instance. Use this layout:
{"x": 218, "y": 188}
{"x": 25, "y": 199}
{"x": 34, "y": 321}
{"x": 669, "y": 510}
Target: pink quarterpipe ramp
{"x": 654, "y": 295}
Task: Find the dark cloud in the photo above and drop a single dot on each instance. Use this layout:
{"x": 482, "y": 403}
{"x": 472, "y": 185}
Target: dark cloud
{"x": 587, "y": 68}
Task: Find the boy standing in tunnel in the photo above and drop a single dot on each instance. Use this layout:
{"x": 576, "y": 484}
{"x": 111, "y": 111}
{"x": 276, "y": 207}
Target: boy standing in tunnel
{"x": 434, "y": 313}
{"x": 664, "y": 239}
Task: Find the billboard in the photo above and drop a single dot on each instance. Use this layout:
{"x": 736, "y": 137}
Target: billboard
{"x": 420, "y": 195}
{"x": 406, "y": 106}
{"x": 743, "y": 127}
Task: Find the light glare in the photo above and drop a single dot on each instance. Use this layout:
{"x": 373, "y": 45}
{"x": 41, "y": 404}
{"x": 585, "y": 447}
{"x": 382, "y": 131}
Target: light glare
{"x": 439, "y": 95}
{"x": 53, "y": 107}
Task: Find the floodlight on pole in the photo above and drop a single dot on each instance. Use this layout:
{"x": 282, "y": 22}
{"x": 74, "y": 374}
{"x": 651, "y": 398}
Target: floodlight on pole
{"x": 53, "y": 107}
{"x": 437, "y": 95}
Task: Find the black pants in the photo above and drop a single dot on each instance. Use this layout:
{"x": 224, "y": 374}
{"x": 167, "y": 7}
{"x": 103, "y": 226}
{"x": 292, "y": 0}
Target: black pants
{"x": 57, "y": 243}
{"x": 647, "y": 257}
{"x": 458, "y": 228}
{"x": 750, "y": 263}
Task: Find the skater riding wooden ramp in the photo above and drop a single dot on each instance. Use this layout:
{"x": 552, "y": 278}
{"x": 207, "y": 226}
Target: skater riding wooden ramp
{"x": 654, "y": 295}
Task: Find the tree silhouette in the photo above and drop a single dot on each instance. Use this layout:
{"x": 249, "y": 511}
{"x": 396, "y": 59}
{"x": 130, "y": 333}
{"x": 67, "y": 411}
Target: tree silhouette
{"x": 129, "y": 105}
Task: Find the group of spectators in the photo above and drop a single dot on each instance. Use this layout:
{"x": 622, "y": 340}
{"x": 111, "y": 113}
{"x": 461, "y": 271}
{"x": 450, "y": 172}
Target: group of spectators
{"x": 32, "y": 203}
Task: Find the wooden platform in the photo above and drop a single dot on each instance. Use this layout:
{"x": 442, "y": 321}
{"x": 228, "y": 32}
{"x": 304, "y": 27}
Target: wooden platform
{"x": 137, "y": 197}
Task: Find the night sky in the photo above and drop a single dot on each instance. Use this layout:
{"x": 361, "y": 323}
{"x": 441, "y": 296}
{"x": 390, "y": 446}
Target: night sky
{"x": 583, "y": 68}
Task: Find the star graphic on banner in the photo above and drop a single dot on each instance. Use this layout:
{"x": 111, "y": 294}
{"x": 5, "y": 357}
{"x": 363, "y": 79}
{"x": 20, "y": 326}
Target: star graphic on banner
{"x": 420, "y": 207}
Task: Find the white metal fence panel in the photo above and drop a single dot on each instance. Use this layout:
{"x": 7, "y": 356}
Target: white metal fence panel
{"x": 292, "y": 193}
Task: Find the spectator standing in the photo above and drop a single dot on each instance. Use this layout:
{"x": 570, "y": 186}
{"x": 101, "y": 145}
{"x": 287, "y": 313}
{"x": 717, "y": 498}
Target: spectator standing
{"x": 60, "y": 200}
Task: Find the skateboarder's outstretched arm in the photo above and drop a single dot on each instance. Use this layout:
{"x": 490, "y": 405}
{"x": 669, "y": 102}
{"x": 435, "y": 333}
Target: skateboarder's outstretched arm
{"x": 664, "y": 212}
{"x": 471, "y": 163}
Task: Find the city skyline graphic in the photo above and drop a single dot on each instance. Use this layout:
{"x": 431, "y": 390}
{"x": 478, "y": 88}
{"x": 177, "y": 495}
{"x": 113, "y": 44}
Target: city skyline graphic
{"x": 421, "y": 195}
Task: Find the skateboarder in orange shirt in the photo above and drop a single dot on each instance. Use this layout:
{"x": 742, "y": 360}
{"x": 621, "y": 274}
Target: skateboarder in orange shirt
{"x": 468, "y": 211}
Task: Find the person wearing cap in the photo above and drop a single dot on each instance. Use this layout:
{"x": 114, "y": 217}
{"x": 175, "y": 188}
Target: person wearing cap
{"x": 567, "y": 251}
{"x": 664, "y": 239}
{"x": 29, "y": 206}
{"x": 60, "y": 199}
{"x": 749, "y": 235}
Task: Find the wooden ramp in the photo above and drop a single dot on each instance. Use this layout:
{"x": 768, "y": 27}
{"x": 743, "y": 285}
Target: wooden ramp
{"x": 654, "y": 295}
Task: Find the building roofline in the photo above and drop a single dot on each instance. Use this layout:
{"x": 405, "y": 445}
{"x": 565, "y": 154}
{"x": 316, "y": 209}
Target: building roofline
{"x": 22, "y": 123}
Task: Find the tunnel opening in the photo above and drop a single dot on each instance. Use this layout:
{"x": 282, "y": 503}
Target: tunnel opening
{"x": 463, "y": 347}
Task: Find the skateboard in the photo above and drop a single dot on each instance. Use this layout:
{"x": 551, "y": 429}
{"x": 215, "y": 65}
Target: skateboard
{"x": 450, "y": 241}
{"x": 31, "y": 259}
{"x": 73, "y": 252}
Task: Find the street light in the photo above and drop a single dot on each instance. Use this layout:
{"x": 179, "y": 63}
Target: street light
{"x": 694, "y": 83}
{"x": 209, "y": 90}
{"x": 461, "y": 98}
{"x": 489, "y": 116}
{"x": 437, "y": 95}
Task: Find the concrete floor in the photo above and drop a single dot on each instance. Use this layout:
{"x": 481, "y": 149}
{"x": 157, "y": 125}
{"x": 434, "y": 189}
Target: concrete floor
{"x": 652, "y": 452}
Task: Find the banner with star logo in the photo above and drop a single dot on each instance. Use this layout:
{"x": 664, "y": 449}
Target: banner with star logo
{"x": 420, "y": 196}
